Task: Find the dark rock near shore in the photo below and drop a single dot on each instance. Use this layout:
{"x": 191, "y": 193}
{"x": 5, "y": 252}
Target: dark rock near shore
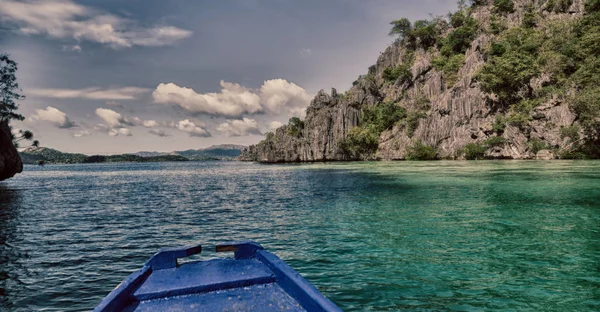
{"x": 10, "y": 161}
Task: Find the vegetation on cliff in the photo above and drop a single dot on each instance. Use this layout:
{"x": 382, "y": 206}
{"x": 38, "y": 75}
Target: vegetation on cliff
{"x": 496, "y": 79}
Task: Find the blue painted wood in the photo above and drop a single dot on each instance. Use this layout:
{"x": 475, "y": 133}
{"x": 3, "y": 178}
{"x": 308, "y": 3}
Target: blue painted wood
{"x": 255, "y": 280}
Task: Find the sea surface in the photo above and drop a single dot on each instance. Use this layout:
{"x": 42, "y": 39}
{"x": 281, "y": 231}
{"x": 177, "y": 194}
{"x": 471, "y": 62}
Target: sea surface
{"x": 415, "y": 236}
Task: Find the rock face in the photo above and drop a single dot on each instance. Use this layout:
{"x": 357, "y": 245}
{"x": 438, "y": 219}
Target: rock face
{"x": 459, "y": 112}
{"x": 10, "y": 161}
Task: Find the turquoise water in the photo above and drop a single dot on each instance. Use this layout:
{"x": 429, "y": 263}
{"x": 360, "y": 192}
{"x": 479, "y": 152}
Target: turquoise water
{"x": 459, "y": 236}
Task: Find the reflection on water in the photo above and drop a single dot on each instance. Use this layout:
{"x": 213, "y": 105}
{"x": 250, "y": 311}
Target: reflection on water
{"x": 370, "y": 236}
{"x": 9, "y": 271}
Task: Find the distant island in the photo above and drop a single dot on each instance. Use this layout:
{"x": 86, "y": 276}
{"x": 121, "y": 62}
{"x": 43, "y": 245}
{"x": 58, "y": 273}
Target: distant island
{"x": 37, "y": 155}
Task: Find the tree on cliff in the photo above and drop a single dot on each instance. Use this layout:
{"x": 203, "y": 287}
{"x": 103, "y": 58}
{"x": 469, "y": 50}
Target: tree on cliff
{"x": 9, "y": 89}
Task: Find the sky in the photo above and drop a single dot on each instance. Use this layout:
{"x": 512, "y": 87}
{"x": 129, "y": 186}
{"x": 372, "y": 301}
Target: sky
{"x": 114, "y": 76}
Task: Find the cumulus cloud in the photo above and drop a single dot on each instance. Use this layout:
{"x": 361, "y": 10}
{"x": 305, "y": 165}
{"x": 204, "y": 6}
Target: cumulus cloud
{"x": 159, "y": 133}
{"x": 53, "y": 115}
{"x": 67, "y": 19}
{"x": 94, "y": 93}
{"x": 275, "y": 96}
{"x": 192, "y": 129}
{"x": 236, "y": 128}
{"x": 110, "y": 117}
{"x": 233, "y": 100}
{"x": 82, "y": 133}
{"x": 279, "y": 94}
{"x": 119, "y": 132}
{"x": 114, "y": 119}
{"x": 273, "y": 125}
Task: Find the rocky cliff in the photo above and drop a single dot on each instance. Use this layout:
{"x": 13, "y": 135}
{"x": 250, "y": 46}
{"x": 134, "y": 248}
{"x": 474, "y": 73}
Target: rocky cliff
{"x": 446, "y": 109}
{"x": 10, "y": 161}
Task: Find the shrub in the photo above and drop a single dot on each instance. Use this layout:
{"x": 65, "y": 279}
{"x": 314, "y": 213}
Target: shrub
{"x": 363, "y": 140}
{"x": 420, "y": 151}
{"x": 412, "y": 122}
{"x": 500, "y": 124}
{"x": 295, "y": 127}
{"x": 400, "y": 73}
{"x": 529, "y": 19}
{"x": 495, "y": 141}
{"x": 537, "y": 145}
{"x": 474, "y": 151}
{"x": 558, "y": 6}
{"x": 504, "y": 6}
{"x": 592, "y": 6}
{"x": 505, "y": 75}
{"x": 383, "y": 116}
{"x": 449, "y": 67}
{"x": 571, "y": 132}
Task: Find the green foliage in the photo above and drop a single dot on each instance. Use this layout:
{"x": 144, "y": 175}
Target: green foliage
{"x": 571, "y": 132}
{"x": 592, "y": 6}
{"x": 400, "y": 73}
{"x": 506, "y": 75}
{"x": 412, "y": 122}
{"x": 459, "y": 40}
{"x": 449, "y": 66}
{"x": 401, "y": 27}
{"x": 537, "y": 145}
{"x": 499, "y": 124}
{"x": 269, "y": 136}
{"x": 474, "y": 151}
{"x": 423, "y": 34}
{"x": 558, "y": 6}
{"x": 364, "y": 139}
{"x": 495, "y": 141}
{"x": 529, "y": 19}
{"x": 9, "y": 89}
{"x": 295, "y": 127}
{"x": 504, "y": 6}
{"x": 383, "y": 116}
{"x": 420, "y": 151}
{"x": 497, "y": 25}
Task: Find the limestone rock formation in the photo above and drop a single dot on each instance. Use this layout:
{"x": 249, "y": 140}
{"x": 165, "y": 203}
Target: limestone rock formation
{"x": 10, "y": 161}
{"x": 459, "y": 112}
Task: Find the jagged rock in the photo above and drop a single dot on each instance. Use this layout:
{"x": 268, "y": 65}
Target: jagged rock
{"x": 458, "y": 114}
{"x": 544, "y": 155}
{"x": 10, "y": 161}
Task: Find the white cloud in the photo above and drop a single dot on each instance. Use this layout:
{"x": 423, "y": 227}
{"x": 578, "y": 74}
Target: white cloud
{"x": 150, "y": 123}
{"x": 94, "y": 93}
{"x": 273, "y": 125}
{"x": 159, "y": 133}
{"x": 192, "y": 129}
{"x": 233, "y": 100}
{"x": 119, "y": 131}
{"x": 82, "y": 133}
{"x": 276, "y": 96}
{"x": 53, "y": 115}
{"x": 279, "y": 94}
{"x": 236, "y": 128}
{"x": 67, "y": 19}
{"x": 110, "y": 117}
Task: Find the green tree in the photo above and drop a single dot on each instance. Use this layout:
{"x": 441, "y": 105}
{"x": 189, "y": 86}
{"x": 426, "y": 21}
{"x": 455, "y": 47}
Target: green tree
{"x": 9, "y": 93}
{"x": 9, "y": 89}
{"x": 401, "y": 28}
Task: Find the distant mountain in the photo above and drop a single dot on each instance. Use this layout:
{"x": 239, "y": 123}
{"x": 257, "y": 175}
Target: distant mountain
{"x": 219, "y": 152}
{"x": 34, "y": 155}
